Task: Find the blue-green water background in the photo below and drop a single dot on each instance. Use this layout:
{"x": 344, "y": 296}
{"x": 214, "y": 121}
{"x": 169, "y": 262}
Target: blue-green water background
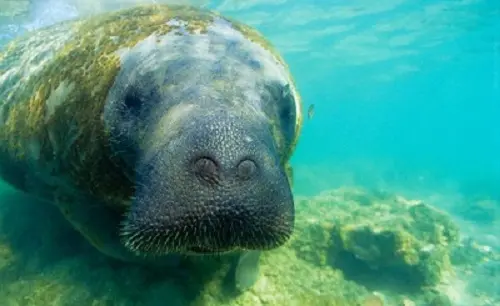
{"x": 406, "y": 93}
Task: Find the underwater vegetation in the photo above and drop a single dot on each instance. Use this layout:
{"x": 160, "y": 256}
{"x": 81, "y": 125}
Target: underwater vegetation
{"x": 351, "y": 246}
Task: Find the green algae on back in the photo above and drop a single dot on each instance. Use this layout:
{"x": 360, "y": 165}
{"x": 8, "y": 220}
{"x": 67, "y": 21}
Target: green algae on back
{"x": 73, "y": 136}
{"x": 66, "y": 72}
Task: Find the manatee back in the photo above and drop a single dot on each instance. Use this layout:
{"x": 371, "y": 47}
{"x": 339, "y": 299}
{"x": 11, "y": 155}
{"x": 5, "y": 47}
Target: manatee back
{"x": 54, "y": 86}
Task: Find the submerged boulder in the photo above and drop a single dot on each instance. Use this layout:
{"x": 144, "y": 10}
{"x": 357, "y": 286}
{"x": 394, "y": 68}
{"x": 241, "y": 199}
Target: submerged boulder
{"x": 385, "y": 235}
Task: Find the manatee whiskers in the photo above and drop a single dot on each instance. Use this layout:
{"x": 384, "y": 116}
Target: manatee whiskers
{"x": 211, "y": 237}
{"x": 146, "y": 241}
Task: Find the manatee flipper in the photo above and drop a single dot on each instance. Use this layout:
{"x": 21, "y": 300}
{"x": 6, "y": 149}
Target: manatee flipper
{"x": 247, "y": 270}
{"x": 100, "y": 226}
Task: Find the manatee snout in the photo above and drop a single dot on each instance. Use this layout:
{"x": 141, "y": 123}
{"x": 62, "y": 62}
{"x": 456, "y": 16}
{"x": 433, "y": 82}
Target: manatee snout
{"x": 216, "y": 185}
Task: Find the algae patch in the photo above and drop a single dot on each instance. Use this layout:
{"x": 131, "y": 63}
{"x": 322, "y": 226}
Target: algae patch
{"x": 66, "y": 72}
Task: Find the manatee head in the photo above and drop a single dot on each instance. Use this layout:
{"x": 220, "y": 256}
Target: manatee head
{"x": 210, "y": 181}
{"x": 199, "y": 118}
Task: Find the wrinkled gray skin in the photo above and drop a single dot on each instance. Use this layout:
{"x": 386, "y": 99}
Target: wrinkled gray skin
{"x": 191, "y": 114}
{"x": 217, "y": 181}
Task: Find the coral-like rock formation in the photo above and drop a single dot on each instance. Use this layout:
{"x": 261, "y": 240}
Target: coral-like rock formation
{"x": 378, "y": 233}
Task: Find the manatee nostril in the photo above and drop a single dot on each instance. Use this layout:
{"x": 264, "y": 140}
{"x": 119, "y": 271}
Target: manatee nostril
{"x": 246, "y": 169}
{"x": 206, "y": 168}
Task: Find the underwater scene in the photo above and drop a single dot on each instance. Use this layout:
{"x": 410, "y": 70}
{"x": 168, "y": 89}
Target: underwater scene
{"x": 249, "y": 152}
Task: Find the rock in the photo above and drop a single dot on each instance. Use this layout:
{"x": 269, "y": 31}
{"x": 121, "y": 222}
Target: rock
{"x": 483, "y": 210}
{"x": 407, "y": 302}
{"x": 377, "y": 233}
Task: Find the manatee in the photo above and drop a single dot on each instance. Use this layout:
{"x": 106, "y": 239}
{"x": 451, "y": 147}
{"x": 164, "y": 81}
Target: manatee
{"x": 157, "y": 131}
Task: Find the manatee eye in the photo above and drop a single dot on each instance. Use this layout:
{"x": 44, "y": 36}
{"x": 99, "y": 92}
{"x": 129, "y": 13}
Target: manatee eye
{"x": 132, "y": 103}
{"x": 287, "y": 100}
{"x": 279, "y": 102}
{"x": 285, "y": 112}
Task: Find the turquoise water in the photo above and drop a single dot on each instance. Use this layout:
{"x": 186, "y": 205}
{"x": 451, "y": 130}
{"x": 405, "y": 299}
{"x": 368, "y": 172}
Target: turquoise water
{"x": 407, "y": 100}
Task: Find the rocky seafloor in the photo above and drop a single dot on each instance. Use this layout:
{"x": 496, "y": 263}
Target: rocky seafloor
{"x": 351, "y": 247}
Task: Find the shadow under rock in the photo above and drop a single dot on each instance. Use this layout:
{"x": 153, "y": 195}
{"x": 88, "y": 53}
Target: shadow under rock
{"x": 373, "y": 279}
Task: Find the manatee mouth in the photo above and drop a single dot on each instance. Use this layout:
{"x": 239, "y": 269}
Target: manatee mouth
{"x": 218, "y": 187}
{"x": 212, "y": 230}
